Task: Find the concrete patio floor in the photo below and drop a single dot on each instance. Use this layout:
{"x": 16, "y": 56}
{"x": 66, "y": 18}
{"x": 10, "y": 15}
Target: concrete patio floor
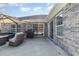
{"x": 33, "y": 47}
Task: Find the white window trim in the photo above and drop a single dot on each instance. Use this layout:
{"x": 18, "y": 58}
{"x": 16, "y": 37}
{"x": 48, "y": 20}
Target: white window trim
{"x": 56, "y": 29}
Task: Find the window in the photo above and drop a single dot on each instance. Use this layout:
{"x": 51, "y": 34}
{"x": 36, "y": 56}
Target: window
{"x": 59, "y": 21}
{"x": 13, "y": 28}
{"x": 60, "y": 30}
{"x": 35, "y": 26}
{"x": 5, "y": 27}
{"x": 59, "y": 26}
{"x": 40, "y": 28}
{"x": 19, "y": 28}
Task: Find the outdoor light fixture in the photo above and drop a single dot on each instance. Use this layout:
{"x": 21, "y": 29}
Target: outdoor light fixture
{"x": 61, "y": 15}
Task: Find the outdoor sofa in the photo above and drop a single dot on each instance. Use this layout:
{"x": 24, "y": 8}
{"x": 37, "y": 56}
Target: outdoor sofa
{"x": 17, "y": 40}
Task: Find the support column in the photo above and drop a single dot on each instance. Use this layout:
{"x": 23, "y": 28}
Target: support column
{"x": 49, "y": 29}
{"x": 16, "y": 27}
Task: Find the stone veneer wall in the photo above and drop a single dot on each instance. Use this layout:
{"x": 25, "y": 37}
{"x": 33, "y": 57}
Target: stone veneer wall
{"x": 70, "y": 39}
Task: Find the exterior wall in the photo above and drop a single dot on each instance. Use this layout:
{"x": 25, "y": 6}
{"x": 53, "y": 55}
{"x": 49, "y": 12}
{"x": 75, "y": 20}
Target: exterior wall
{"x": 38, "y": 28}
{"x": 69, "y": 41}
{"x": 45, "y": 30}
{"x": 23, "y": 27}
{"x": 8, "y": 28}
{"x": 5, "y": 27}
{"x": 71, "y": 29}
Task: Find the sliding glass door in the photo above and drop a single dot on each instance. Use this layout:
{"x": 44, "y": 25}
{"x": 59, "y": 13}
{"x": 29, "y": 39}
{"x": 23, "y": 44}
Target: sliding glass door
{"x": 51, "y": 29}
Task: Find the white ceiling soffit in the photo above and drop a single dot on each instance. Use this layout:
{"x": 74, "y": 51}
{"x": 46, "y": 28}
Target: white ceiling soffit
{"x": 33, "y": 20}
{"x": 57, "y": 7}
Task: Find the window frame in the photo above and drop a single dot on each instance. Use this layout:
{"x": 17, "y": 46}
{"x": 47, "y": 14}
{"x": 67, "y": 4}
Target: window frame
{"x": 59, "y": 25}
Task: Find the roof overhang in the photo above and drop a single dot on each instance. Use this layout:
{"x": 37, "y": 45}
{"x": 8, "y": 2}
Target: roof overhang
{"x": 55, "y": 10}
{"x": 33, "y": 20}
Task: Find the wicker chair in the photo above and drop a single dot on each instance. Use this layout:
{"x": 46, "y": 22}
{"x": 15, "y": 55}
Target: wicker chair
{"x": 17, "y": 40}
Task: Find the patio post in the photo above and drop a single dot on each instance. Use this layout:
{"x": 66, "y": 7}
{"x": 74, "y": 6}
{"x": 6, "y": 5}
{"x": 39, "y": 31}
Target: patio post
{"x": 16, "y": 27}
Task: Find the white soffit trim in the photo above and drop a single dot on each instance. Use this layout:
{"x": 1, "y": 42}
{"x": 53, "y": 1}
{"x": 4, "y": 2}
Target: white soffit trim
{"x": 58, "y": 7}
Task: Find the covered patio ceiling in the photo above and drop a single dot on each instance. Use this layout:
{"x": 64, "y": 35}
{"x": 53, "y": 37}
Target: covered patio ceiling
{"x": 55, "y": 10}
